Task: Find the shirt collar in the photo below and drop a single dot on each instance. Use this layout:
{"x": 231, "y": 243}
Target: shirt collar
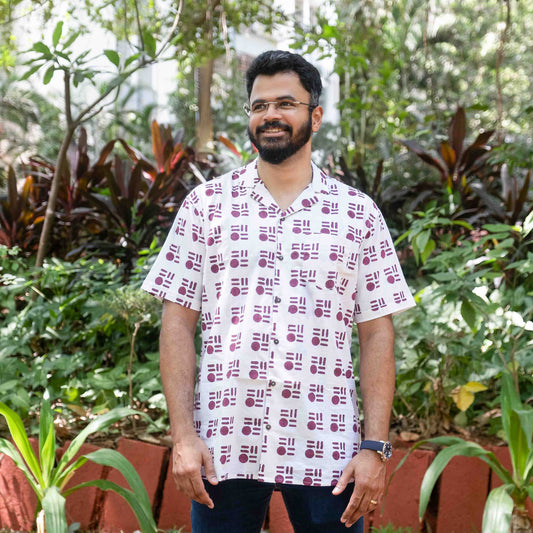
{"x": 248, "y": 177}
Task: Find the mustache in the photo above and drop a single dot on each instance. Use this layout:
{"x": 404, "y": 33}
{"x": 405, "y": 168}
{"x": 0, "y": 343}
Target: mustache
{"x": 273, "y": 124}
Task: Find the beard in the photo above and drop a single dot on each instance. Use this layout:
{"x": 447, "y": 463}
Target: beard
{"x": 275, "y": 151}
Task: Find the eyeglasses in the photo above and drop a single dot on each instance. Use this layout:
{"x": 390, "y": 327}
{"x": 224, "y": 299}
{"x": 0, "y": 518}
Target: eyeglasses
{"x": 282, "y": 106}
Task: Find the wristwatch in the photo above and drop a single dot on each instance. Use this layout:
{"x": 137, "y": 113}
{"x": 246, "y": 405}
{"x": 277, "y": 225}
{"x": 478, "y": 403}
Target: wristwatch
{"x": 383, "y": 448}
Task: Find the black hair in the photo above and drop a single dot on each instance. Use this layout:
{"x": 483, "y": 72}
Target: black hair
{"x": 276, "y": 61}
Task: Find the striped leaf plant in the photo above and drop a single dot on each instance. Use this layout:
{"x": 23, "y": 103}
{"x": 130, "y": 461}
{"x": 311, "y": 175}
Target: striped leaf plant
{"x": 49, "y": 477}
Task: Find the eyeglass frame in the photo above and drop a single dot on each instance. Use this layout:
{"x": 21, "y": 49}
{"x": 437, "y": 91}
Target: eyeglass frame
{"x": 248, "y": 110}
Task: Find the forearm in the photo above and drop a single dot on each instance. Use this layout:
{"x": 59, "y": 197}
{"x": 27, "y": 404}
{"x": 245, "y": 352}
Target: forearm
{"x": 377, "y": 375}
{"x": 178, "y": 368}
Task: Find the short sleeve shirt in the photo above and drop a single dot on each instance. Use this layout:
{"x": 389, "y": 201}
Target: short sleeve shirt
{"x": 279, "y": 292}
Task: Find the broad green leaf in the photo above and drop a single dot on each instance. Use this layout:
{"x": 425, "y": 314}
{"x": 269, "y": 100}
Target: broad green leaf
{"x": 149, "y": 43}
{"x": 422, "y": 239}
{"x": 464, "y": 448}
{"x": 114, "y": 459}
{"x": 498, "y": 511}
{"x": 57, "y": 33}
{"x": 131, "y": 59}
{"x": 496, "y": 228}
{"x": 42, "y": 49}
{"x": 48, "y": 74}
{"x": 144, "y": 516}
{"x": 509, "y": 400}
{"x": 54, "y": 511}
{"x": 519, "y": 445}
{"x": 430, "y": 246}
{"x": 47, "y": 441}
{"x": 98, "y": 424}
{"x": 18, "y": 434}
{"x": 112, "y": 56}
{"x": 468, "y": 312}
{"x": 528, "y": 470}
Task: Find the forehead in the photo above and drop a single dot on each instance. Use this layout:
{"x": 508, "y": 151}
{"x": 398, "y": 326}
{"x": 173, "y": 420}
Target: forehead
{"x": 280, "y": 84}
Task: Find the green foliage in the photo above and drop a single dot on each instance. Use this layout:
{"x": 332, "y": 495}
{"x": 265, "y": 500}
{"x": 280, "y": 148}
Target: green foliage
{"x": 473, "y": 317}
{"x": 112, "y": 208}
{"x": 517, "y": 420}
{"x": 48, "y": 480}
{"x": 75, "y": 339}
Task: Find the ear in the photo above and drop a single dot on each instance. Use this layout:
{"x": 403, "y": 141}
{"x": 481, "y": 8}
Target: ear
{"x": 316, "y": 118}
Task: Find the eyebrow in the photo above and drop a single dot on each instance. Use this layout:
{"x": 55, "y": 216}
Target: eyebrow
{"x": 285, "y": 97}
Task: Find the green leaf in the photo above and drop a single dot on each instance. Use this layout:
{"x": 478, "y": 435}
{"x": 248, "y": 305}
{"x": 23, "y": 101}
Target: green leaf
{"x": 42, "y": 49}
{"x": 30, "y": 72}
{"x": 112, "y": 56}
{"x": 57, "y": 33}
{"x": 131, "y": 59}
{"x": 149, "y": 43}
{"x": 144, "y": 516}
{"x": 468, "y": 312}
{"x": 47, "y": 441}
{"x": 430, "y": 246}
{"x": 496, "y": 228}
{"x": 498, "y": 511}
{"x": 114, "y": 459}
{"x": 459, "y": 447}
{"x": 18, "y": 434}
{"x": 98, "y": 424}
{"x": 48, "y": 74}
{"x": 54, "y": 511}
{"x": 519, "y": 445}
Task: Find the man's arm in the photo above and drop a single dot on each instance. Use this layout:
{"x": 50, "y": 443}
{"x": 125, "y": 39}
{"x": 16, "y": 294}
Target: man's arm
{"x": 377, "y": 377}
{"x": 178, "y": 373}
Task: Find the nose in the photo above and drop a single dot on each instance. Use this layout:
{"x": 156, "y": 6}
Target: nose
{"x": 272, "y": 111}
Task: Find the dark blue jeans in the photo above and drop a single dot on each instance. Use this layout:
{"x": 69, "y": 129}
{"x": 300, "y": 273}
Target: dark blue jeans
{"x": 241, "y": 504}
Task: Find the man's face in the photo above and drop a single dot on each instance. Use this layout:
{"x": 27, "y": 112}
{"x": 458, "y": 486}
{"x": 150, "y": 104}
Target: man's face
{"x": 277, "y": 133}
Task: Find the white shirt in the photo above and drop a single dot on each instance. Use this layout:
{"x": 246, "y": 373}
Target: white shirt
{"x": 278, "y": 293}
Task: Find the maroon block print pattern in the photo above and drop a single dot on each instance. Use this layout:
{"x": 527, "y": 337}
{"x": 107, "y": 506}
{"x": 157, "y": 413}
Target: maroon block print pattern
{"x": 278, "y": 293}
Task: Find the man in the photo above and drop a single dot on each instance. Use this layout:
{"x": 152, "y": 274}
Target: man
{"x": 279, "y": 260}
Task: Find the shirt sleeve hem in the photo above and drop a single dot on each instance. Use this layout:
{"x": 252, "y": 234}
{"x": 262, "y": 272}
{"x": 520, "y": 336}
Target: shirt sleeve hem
{"x": 371, "y": 315}
{"x": 161, "y": 296}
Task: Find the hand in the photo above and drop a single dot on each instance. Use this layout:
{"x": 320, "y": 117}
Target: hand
{"x": 189, "y": 454}
{"x": 369, "y": 473}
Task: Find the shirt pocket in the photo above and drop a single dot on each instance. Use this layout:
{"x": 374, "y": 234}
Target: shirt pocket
{"x": 320, "y": 260}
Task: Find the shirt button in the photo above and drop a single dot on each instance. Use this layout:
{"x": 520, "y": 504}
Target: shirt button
{"x": 268, "y": 426}
{"x": 276, "y": 341}
{"x": 277, "y": 299}
{"x": 271, "y": 383}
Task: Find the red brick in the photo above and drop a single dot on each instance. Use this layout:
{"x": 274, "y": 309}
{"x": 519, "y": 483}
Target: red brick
{"x": 403, "y": 496}
{"x": 147, "y": 459}
{"x": 80, "y": 504}
{"x": 175, "y": 507}
{"x": 464, "y": 480}
{"x": 17, "y": 499}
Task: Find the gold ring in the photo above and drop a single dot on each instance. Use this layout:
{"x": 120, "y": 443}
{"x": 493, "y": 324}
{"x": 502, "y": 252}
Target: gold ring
{"x": 373, "y": 502}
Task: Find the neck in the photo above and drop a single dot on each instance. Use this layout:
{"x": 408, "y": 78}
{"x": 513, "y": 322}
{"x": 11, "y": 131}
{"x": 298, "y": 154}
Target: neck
{"x": 290, "y": 176}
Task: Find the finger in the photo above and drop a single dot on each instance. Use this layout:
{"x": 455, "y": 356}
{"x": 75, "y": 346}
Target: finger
{"x": 353, "y": 509}
{"x": 341, "y": 484}
{"x": 209, "y": 467}
{"x": 199, "y": 494}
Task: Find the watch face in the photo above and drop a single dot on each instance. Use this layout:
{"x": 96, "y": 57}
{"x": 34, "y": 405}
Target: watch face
{"x": 387, "y": 450}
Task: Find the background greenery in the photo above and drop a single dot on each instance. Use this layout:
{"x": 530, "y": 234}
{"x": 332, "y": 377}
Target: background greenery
{"x": 435, "y": 124}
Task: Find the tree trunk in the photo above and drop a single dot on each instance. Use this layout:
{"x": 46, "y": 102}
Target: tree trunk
{"x": 204, "y": 124}
{"x": 52, "y": 197}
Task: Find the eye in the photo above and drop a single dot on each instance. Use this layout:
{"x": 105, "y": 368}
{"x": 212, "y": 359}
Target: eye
{"x": 259, "y": 107}
{"x": 286, "y": 105}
